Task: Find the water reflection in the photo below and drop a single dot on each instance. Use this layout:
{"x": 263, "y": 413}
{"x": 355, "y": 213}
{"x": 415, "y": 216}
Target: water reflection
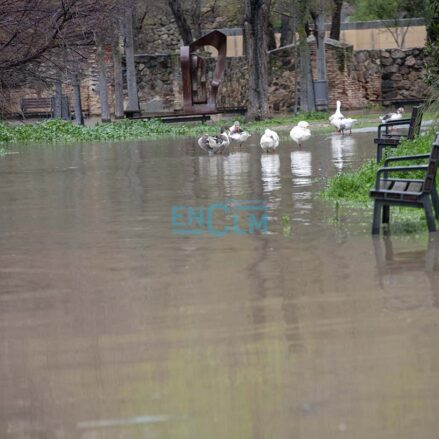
{"x": 342, "y": 150}
{"x": 410, "y": 277}
{"x": 270, "y": 166}
{"x": 302, "y": 172}
{"x": 236, "y": 173}
{"x": 301, "y": 167}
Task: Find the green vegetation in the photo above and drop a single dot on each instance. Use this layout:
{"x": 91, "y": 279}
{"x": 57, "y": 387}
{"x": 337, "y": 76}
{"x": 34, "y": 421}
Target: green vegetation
{"x": 350, "y": 190}
{"x": 387, "y": 10}
{"x": 432, "y": 46}
{"x": 355, "y": 185}
{"x": 60, "y": 131}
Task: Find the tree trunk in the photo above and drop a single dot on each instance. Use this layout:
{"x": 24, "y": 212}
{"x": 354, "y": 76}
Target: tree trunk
{"x": 271, "y": 37}
{"x": 181, "y": 22}
{"x": 77, "y": 106}
{"x": 57, "y": 102}
{"x": 286, "y": 30}
{"x": 196, "y": 19}
{"x": 103, "y": 92}
{"x": 256, "y": 16}
{"x": 306, "y": 82}
{"x": 320, "y": 41}
{"x": 133, "y": 99}
{"x": 307, "y": 101}
{"x": 336, "y": 20}
{"x": 118, "y": 81}
{"x": 321, "y": 97}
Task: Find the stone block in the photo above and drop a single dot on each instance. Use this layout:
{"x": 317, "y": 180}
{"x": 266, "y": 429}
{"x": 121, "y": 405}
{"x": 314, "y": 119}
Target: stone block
{"x": 410, "y": 61}
{"x": 386, "y": 61}
{"x": 397, "y": 53}
{"x": 387, "y": 85}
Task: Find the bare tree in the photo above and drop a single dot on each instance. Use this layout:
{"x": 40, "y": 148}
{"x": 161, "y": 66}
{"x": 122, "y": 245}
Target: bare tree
{"x": 256, "y": 21}
{"x": 286, "y": 30}
{"x": 37, "y": 36}
{"x": 184, "y": 28}
{"x": 190, "y": 16}
{"x": 118, "y": 79}
{"x": 196, "y": 18}
{"x": 77, "y": 104}
{"x": 336, "y": 19}
{"x": 133, "y": 99}
{"x": 103, "y": 86}
{"x": 307, "y": 100}
{"x": 319, "y": 33}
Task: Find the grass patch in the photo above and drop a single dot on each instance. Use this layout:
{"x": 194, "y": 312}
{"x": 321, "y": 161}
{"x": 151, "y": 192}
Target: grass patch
{"x": 61, "y": 131}
{"x": 351, "y": 189}
{"x": 355, "y": 184}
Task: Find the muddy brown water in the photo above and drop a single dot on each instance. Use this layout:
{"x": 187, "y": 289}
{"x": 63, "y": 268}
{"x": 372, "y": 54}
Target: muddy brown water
{"x": 114, "y": 326}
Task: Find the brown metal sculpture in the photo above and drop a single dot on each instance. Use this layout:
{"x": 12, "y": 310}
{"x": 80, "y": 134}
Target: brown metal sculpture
{"x": 197, "y": 98}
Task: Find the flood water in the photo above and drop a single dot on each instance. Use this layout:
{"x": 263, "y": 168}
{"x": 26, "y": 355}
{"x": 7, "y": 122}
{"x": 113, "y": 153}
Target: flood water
{"x": 115, "y": 325}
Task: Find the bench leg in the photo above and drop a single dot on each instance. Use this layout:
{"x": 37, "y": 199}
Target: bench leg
{"x": 379, "y": 153}
{"x": 386, "y": 214}
{"x": 429, "y": 215}
{"x": 435, "y": 200}
{"x": 376, "y": 217}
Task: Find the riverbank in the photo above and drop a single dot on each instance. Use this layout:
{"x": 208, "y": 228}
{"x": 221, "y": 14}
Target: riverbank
{"x": 60, "y": 131}
{"x": 350, "y": 190}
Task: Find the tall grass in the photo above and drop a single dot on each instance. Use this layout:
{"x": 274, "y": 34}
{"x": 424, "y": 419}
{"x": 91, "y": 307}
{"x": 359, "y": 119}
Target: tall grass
{"x": 60, "y": 131}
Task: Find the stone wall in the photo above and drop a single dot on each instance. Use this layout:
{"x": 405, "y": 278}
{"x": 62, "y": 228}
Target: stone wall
{"x": 342, "y": 82}
{"x": 159, "y": 33}
{"x": 356, "y": 78}
{"x": 159, "y": 36}
{"x": 89, "y": 87}
{"x": 392, "y": 75}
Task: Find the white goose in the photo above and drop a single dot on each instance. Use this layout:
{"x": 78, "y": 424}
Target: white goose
{"x": 337, "y": 115}
{"x": 269, "y": 141}
{"x": 300, "y": 133}
{"x": 392, "y": 116}
{"x": 237, "y": 134}
{"x": 235, "y": 128}
{"x": 215, "y": 144}
{"x": 344, "y": 124}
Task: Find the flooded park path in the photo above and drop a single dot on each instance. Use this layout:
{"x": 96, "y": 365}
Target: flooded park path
{"x": 115, "y": 325}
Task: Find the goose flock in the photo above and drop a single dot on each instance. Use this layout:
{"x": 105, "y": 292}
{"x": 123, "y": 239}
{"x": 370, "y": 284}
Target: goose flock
{"x": 269, "y": 142}
{"x": 218, "y": 144}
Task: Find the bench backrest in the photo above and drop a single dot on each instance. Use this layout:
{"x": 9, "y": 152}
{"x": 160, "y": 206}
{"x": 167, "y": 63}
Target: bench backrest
{"x": 415, "y": 122}
{"x": 430, "y": 175}
{"x": 30, "y": 103}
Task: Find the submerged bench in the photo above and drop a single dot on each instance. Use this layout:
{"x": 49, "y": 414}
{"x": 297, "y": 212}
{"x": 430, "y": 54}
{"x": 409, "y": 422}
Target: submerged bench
{"x": 36, "y": 107}
{"x": 385, "y": 139}
{"x": 407, "y": 192}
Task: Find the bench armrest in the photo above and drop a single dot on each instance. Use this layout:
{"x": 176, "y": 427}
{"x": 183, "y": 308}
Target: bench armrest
{"x": 398, "y": 169}
{"x": 406, "y": 157}
{"x": 392, "y": 123}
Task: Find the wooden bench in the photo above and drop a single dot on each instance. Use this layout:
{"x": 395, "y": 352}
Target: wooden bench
{"x": 385, "y": 139}
{"x": 36, "y": 107}
{"x": 186, "y": 117}
{"x": 407, "y": 192}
